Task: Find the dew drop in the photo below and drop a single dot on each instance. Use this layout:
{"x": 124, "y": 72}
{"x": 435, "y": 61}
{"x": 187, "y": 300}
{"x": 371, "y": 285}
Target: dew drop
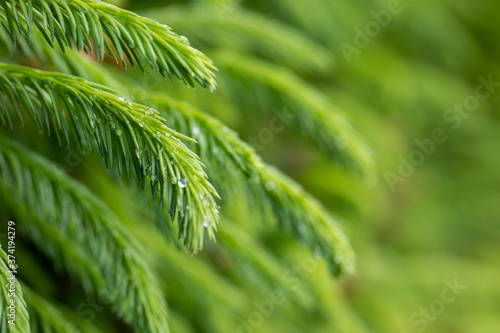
{"x": 270, "y": 185}
{"x": 119, "y": 131}
{"x": 196, "y": 130}
{"x": 184, "y": 40}
{"x": 182, "y": 182}
{"x": 121, "y": 98}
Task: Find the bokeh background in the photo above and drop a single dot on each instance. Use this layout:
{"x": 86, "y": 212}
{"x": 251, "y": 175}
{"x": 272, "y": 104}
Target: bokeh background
{"x": 415, "y": 226}
{"x": 410, "y": 234}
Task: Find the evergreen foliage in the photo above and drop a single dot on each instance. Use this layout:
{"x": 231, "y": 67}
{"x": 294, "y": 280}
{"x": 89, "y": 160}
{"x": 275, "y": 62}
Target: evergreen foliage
{"x": 123, "y": 130}
{"x": 96, "y": 26}
{"x": 73, "y": 227}
{"x": 238, "y": 227}
{"x": 79, "y": 233}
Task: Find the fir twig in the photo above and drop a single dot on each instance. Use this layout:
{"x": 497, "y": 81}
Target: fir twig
{"x": 87, "y": 23}
{"x": 73, "y": 227}
{"x": 125, "y": 133}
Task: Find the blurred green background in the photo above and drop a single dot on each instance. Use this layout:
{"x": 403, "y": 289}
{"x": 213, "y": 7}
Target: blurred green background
{"x": 398, "y": 86}
{"x": 441, "y": 222}
{"x": 427, "y": 217}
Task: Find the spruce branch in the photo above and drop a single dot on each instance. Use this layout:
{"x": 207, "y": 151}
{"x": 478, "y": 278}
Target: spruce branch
{"x": 125, "y": 133}
{"x": 73, "y": 227}
{"x": 22, "y": 321}
{"x": 236, "y": 167}
{"x": 96, "y": 26}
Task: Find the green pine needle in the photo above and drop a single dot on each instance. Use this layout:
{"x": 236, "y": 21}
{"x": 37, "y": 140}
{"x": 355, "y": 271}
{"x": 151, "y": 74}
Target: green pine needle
{"x": 236, "y": 167}
{"x": 125, "y": 133}
{"x": 73, "y": 227}
{"x": 97, "y": 27}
